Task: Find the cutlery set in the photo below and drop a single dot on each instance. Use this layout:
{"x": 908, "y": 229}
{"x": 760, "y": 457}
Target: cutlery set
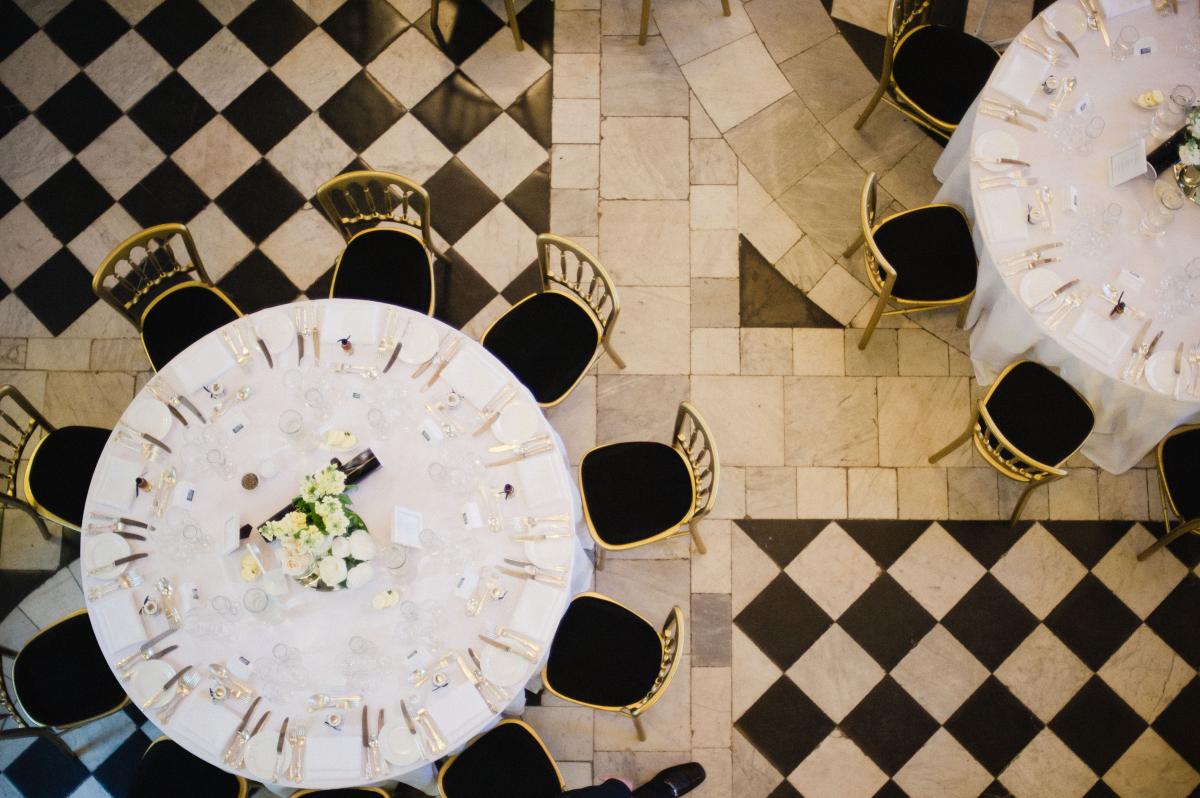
{"x": 1140, "y": 353}
{"x": 442, "y": 357}
{"x": 523, "y": 451}
{"x": 174, "y": 400}
{"x": 241, "y": 352}
{"x": 1045, "y": 51}
{"x": 235, "y": 752}
{"x": 495, "y": 698}
{"x": 421, "y": 726}
{"x": 391, "y": 339}
{"x": 306, "y": 325}
{"x": 1013, "y": 179}
{"x": 1095, "y": 20}
{"x": 491, "y": 411}
{"x": 372, "y": 756}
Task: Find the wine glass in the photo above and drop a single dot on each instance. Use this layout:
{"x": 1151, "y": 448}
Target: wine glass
{"x": 1170, "y": 115}
{"x": 1168, "y": 201}
{"x": 1123, "y": 47}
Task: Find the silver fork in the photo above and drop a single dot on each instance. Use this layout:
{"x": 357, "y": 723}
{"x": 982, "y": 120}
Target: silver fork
{"x": 1072, "y": 301}
{"x": 126, "y": 581}
{"x": 1194, "y": 362}
{"x": 186, "y": 685}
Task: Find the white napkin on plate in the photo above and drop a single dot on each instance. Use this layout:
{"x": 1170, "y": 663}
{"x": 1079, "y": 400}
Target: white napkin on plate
{"x": 544, "y": 479}
{"x": 202, "y": 725}
{"x": 202, "y": 363}
{"x": 1101, "y": 337}
{"x": 457, "y": 711}
{"x": 115, "y": 484}
{"x": 1020, "y": 73}
{"x": 537, "y": 611}
{"x": 117, "y": 622}
{"x": 347, "y": 319}
{"x": 1002, "y": 213}
{"x": 473, "y": 378}
{"x": 328, "y": 757}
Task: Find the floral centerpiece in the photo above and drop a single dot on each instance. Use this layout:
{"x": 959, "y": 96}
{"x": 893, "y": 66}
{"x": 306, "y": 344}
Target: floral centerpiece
{"x": 326, "y": 545}
{"x": 1188, "y": 172}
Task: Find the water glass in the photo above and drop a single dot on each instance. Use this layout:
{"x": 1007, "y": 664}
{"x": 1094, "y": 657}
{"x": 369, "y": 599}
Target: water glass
{"x": 1092, "y": 131}
{"x": 1168, "y": 201}
{"x": 377, "y": 420}
{"x": 1171, "y": 114}
{"x": 315, "y": 398}
{"x": 1122, "y": 48}
{"x": 291, "y": 424}
{"x": 1112, "y": 214}
{"x": 395, "y": 557}
{"x": 195, "y": 540}
{"x": 219, "y": 463}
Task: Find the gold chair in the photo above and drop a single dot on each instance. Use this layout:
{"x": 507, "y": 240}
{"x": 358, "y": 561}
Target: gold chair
{"x": 60, "y": 681}
{"x": 380, "y": 214}
{"x": 550, "y": 339}
{"x": 60, "y": 466}
{"x": 508, "y": 761}
{"x": 1178, "y": 484}
{"x": 509, "y": 6}
{"x": 919, "y": 259}
{"x": 931, "y": 73}
{"x": 167, "y": 769}
{"x": 172, "y": 303}
{"x": 646, "y": 18}
{"x": 1026, "y": 426}
{"x": 344, "y": 792}
{"x": 622, "y": 514}
{"x": 606, "y": 656}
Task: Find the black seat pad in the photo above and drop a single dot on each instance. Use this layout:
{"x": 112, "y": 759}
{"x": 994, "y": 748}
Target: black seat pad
{"x": 507, "y": 762}
{"x": 603, "y": 654}
{"x": 1181, "y": 467}
{"x": 1040, "y": 414}
{"x": 932, "y": 252}
{"x": 385, "y": 265}
{"x": 61, "y": 471}
{"x": 167, "y": 769}
{"x": 547, "y": 340}
{"x": 61, "y": 676}
{"x": 180, "y": 318}
{"x": 942, "y": 70}
{"x": 635, "y": 491}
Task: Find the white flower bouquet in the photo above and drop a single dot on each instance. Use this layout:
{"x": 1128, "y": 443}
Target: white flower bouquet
{"x": 326, "y": 545}
{"x": 1189, "y": 150}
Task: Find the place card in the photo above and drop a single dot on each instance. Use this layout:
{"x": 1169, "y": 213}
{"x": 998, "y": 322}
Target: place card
{"x": 1127, "y": 163}
{"x": 406, "y": 527}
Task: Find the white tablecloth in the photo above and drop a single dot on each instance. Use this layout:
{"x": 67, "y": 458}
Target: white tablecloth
{"x": 1130, "y": 419}
{"x": 318, "y": 626}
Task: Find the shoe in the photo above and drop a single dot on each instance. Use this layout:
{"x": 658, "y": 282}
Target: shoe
{"x": 673, "y": 782}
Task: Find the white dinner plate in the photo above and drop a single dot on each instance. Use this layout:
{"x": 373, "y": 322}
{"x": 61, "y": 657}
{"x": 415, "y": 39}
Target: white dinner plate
{"x": 1069, "y": 19}
{"x": 996, "y": 144}
{"x": 260, "y": 755}
{"x": 276, "y": 330}
{"x": 552, "y": 553}
{"x": 398, "y": 744}
{"x": 105, "y": 548}
{"x": 420, "y": 343}
{"x": 148, "y": 679}
{"x": 149, "y": 416}
{"x": 504, "y": 669}
{"x": 1036, "y": 286}
{"x": 1160, "y": 371}
{"x": 517, "y": 423}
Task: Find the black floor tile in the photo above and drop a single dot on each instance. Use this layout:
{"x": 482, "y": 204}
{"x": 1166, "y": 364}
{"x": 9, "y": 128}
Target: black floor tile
{"x": 463, "y": 27}
{"x": 889, "y": 726}
{"x": 58, "y": 292}
{"x": 257, "y": 283}
{"x": 17, "y": 28}
{"x": 266, "y": 112}
{"x": 171, "y": 113}
{"x": 364, "y": 27}
{"x": 885, "y": 540}
{"x": 532, "y": 110}
{"x": 115, "y": 774}
{"x": 361, "y": 111}
{"x": 1175, "y": 620}
{"x": 530, "y": 200}
{"x": 8, "y": 200}
{"x": 456, "y": 111}
{"x": 987, "y": 541}
{"x": 527, "y": 282}
{"x": 461, "y": 291}
{"x": 11, "y": 111}
{"x": 990, "y": 622}
{"x": 782, "y": 540}
{"x": 891, "y": 790}
{"x": 767, "y": 299}
{"x": 320, "y": 287}
{"x": 85, "y": 29}
{"x": 785, "y": 790}
{"x": 993, "y": 725}
{"x": 784, "y": 725}
{"x": 165, "y": 195}
{"x": 459, "y": 199}
{"x": 1092, "y": 622}
{"x": 69, "y": 201}
{"x": 260, "y": 200}
{"x": 1097, "y": 725}
{"x": 270, "y": 28}
{"x": 1102, "y": 790}
{"x": 536, "y": 21}
{"x": 78, "y": 113}
{"x": 783, "y": 621}
{"x": 886, "y": 621}
{"x": 178, "y": 28}
{"x": 1177, "y": 723}
{"x": 1089, "y": 541}
{"x": 44, "y": 770}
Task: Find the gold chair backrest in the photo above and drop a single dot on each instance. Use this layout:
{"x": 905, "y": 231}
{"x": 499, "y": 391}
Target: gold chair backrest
{"x": 672, "y": 643}
{"x": 567, "y": 265}
{"x": 355, "y": 201}
{"x": 904, "y": 15}
{"x": 505, "y": 722}
{"x": 694, "y": 440}
{"x": 1164, "y": 489}
{"x": 875, "y": 260}
{"x": 142, "y": 263}
{"x": 19, "y": 420}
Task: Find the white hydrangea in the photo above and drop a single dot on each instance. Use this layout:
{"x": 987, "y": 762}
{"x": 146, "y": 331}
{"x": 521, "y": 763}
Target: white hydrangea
{"x": 332, "y": 571}
{"x": 1190, "y": 153}
{"x": 333, "y": 515}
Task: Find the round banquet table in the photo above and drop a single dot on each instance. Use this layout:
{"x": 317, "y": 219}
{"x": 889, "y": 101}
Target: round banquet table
{"x": 1088, "y": 349}
{"x": 456, "y": 532}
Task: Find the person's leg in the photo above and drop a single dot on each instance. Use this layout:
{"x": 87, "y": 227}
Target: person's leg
{"x": 672, "y": 782}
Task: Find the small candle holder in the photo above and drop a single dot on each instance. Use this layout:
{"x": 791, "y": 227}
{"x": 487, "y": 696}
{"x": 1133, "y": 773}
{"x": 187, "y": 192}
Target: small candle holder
{"x": 249, "y": 481}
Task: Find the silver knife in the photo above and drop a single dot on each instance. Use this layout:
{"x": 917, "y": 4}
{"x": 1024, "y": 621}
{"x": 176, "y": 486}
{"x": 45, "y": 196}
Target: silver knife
{"x": 183, "y": 400}
{"x": 1059, "y": 34}
{"x": 267, "y": 354}
{"x": 395, "y": 354}
{"x": 170, "y": 403}
{"x": 300, "y": 334}
{"x": 999, "y": 161}
{"x": 1136, "y": 350}
{"x": 144, "y": 647}
{"x": 257, "y": 727}
{"x": 147, "y": 657}
{"x": 1178, "y": 368}
{"x": 167, "y": 686}
{"x": 239, "y": 733}
{"x": 1141, "y": 369}
{"x": 153, "y": 441}
{"x": 118, "y": 561}
{"x": 1056, "y": 292}
{"x": 125, "y": 521}
{"x": 279, "y": 751}
{"x": 1100, "y": 24}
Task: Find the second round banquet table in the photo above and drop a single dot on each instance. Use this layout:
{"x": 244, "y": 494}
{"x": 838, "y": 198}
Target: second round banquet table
{"x": 470, "y": 514}
{"x": 1096, "y": 240}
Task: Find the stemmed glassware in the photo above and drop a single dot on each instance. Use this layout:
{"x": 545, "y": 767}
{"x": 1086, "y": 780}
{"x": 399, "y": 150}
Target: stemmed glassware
{"x": 1170, "y": 115}
{"x": 1122, "y": 48}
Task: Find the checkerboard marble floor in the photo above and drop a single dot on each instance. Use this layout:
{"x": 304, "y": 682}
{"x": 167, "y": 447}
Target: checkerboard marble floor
{"x": 910, "y": 646}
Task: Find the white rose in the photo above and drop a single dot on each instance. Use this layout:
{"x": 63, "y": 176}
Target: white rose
{"x": 340, "y": 547}
{"x": 332, "y": 571}
{"x": 296, "y": 563}
{"x": 359, "y": 575}
{"x": 362, "y": 545}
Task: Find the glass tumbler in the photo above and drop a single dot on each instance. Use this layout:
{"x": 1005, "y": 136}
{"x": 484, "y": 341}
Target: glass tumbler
{"x": 1168, "y": 201}
{"x": 1122, "y": 48}
{"x": 1171, "y": 114}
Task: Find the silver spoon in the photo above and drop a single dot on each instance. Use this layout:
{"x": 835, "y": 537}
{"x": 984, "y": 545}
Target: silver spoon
{"x": 129, "y": 579}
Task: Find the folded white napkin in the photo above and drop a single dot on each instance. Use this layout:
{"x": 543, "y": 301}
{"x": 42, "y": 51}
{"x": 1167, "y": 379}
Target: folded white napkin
{"x": 201, "y": 725}
{"x": 347, "y": 319}
{"x": 1020, "y": 73}
{"x": 537, "y": 611}
{"x": 115, "y": 483}
{"x": 457, "y": 711}
{"x": 544, "y": 480}
{"x": 1002, "y": 213}
{"x": 201, "y": 363}
{"x": 1112, "y": 8}
{"x": 330, "y": 757}
{"x": 1101, "y": 337}
{"x": 117, "y": 622}
{"x": 473, "y": 377}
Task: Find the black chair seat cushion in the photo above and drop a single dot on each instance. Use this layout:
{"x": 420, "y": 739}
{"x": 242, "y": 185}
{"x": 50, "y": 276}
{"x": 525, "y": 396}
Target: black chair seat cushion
{"x": 179, "y": 319}
{"x": 1040, "y": 414}
{"x": 932, "y": 252}
{"x": 167, "y": 769}
{"x": 345, "y": 792}
{"x": 547, "y": 340}
{"x": 61, "y": 676}
{"x": 941, "y": 70}
{"x": 634, "y": 491}
{"x": 61, "y": 470}
{"x": 603, "y": 654}
{"x": 1181, "y": 467}
{"x": 385, "y": 265}
{"x": 507, "y": 762}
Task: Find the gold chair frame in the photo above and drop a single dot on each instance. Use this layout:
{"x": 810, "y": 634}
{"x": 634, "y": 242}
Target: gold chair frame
{"x": 16, "y": 436}
{"x": 506, "y": 722}
{"x": 1169, "y": 507}
{"x": 992, "y": 445}
{"x": 646, "y": 18}
{"x": 693, "y": 441}
{"x": 874, "y": 260}
{"x": 670, "y": 637}
{"x": 10, "y": 703}
{"x": 382, "y": 793}
{"x": 509, "y": 6}
{"x": 243, "y": 785}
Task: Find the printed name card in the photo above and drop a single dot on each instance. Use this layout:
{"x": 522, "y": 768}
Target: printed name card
{"x": 1127, "y": 163}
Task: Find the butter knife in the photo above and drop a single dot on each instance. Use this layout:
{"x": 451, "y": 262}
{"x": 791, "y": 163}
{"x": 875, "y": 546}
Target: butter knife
{"x": 1056, "y": 292}
{"x": 125, "y": 521}
{"x": 266, "y": 352}
{"x": 1059, "y": 34}
{"x": 183, "y": 400}
{"x": 1141, "y": 369}
{"x": 241, "y": 763}
{"x": 530, "y": 452}
{"x": 118, "y": 561}
{"x": 279, "y": 751}
{"x": 171, "y": 403}
{"x": 1178, "y": 370}
{"x": 167, "y": 686}
{"x": 517, "y": 650}
{"x": 144, "y": 648}
{"x": 1136, "y": 350}
{"x": 396, "y": 349}
{"x": 473, "y": 679}
{"x": 240, "y": 736}
{"x": 300, "y": 335}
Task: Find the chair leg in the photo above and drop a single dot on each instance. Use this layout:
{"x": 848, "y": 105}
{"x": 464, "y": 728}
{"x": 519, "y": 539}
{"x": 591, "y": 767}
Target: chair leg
{"x": 512, "y": 23}
{"x": 601, "y": 556}
{"x": 641, "y": 730}
{"x": 875, "y": 98}
{"x": 1170, "y": 537}
{"x": 433, "y": 13}
{"x": 954, "y": 444}
{"x": 725, "y": 7}
{"x": 872, "y": 324}
{"x": 1022, "y": 500}
{"x": 608, "y": 347}
{"x": 695, "y": 533}
{"x": 645, "y": 22}
{"x": 962, "y": 314}
{"x": 859, "y": 240}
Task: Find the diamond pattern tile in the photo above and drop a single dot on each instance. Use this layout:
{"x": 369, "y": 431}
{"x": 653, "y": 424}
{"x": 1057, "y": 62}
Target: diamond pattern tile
{"x": 1097, "y": 725}
{"x": 990, "y": 621}
{"x": 85, "y": 29}
{"x": 78, "y": 113}
{"x": 784, "y": 725}
{"x": 889, "y": 725}
{"x": 783, "y": 621}
{"x": 271, "y": 28}
{"x": 178, "y": 28}
{"x": 886, "y": 621}
{"x": 364, "y": 27}
{"x": 1092, "y": 622}
{"x": 993, "y": 725}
